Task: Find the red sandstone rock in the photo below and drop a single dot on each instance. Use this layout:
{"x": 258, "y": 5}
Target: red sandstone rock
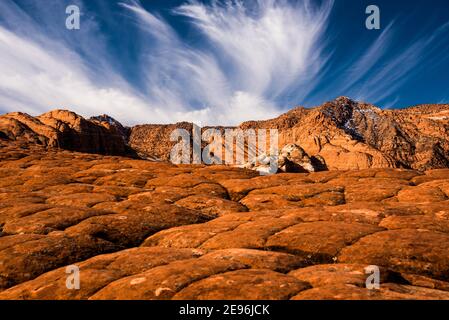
{"x": 67, "y": 130}
{"x": 146, "y": 230}
{"x": 338, "y": 135}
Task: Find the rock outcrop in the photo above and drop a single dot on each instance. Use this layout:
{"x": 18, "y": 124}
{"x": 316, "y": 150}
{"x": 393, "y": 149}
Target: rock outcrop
{"x": 152, "y": 141}
{"x": 67, "y": 130}
{"x": 339, "y": 135}
{"x": 342, "y": 135}
{"x": 354, "y": 135}
{"x": 290, "y": 159}
{"x": 153, "y": 230}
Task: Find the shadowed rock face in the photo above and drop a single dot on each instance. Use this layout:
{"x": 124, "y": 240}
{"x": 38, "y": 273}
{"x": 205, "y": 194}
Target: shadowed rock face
{"x": 153, "y": 230}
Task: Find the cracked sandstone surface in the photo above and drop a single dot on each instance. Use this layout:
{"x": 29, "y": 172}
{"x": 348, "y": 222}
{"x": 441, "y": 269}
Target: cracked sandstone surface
{"x": 146, "y": 230}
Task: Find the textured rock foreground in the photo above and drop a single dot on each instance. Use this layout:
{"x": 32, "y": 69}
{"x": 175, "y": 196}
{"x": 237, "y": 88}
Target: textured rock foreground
{"x": 146, "y": 230}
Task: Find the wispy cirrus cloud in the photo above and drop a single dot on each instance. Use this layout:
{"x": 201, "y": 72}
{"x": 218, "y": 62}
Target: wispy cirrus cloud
{"x": 382, "y": 69}
{"x": 41, "y": 70}
{"x": 249, "y": 60}
{"x": 250, "y": 56}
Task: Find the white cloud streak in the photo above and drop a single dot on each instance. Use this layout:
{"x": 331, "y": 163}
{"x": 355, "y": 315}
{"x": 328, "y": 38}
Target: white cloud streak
{"x": 39, "y": 73}
{"x": 385, "y": 75}
{"x": 252, "y": 55}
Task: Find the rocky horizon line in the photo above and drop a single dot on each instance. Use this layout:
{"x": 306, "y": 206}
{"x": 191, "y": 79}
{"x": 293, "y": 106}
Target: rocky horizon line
{"x": 343, "y": 133}
{"x": 281, "y": 112}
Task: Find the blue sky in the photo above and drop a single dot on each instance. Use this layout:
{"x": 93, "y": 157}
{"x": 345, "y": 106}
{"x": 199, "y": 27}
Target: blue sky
{"x": 219, "y": 62}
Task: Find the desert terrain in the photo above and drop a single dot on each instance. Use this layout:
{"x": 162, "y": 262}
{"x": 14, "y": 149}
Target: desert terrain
{"x": 101, "y": 196}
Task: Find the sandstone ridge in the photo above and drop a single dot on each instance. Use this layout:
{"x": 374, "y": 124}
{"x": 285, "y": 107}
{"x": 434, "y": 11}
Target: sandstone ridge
{"x": 67, "y": 130}
{"x": 339, "y": 135}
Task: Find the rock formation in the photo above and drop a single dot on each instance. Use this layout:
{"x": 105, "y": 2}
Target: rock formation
{"x": 353, "y": 135}
{"x": 71, "y": 194}
{"x": 342, "y": 135}
{"x": 153, "y": 230}
{"x": 291, "y": 158}
{"x": 339, "y": 135}
{"x": 67, "y": 130}
{"x": 153, "y": 141}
